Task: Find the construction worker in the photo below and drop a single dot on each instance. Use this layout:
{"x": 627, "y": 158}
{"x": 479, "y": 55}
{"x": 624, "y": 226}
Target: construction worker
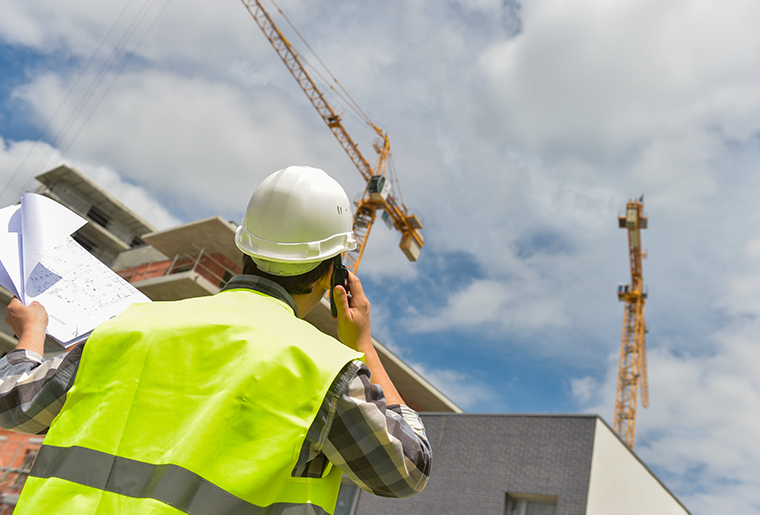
{"x": 227, "y": 404}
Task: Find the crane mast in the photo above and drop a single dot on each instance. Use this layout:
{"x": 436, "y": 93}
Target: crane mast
{"x": 377, "y": 194}
{"x": 632, "y": 374}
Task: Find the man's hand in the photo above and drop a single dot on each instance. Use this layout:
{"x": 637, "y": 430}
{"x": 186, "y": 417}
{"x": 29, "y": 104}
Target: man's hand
{"x": 353, "y": 315}
{"x": 29, "y": 324}
{"x": 354, "y": 331}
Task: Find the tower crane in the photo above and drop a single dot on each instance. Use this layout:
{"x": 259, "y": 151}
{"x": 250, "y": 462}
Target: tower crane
{"x": 632, "y": 374}
{"x": 378, "y": 194}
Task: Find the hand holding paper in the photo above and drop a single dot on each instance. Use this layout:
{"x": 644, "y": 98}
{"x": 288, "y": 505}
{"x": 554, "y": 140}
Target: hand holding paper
{"x": 39, "y": 261}
{"x": 29, "y": 323}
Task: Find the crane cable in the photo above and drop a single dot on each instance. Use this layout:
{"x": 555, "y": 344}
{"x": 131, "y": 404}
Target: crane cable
{"x": 348, "y": 99}
{"x": 345, "y": 95}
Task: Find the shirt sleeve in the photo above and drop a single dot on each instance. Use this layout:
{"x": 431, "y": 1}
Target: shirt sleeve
{"x": 33, "y": 390}
{"x": 383, "y": 449}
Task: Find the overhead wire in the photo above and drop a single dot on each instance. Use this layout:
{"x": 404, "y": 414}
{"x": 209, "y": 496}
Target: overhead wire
{"x": 394, "y": 177}
{"x": 117, "y": 52}
{"x": 71, "y": 89}
{"x": 115, "y": 76}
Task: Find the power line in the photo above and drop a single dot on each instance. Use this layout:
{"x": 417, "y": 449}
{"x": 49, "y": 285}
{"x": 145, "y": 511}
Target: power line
{"x": 66, "y": 97}
{"x": 116, "y": 54}
{"x": 115, "y": 76}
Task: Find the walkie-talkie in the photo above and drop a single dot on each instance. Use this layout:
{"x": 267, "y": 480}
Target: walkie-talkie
{"x": 339, "y": 276}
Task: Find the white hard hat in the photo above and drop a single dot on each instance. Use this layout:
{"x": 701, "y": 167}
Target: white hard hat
{"x": 297, "y": 217}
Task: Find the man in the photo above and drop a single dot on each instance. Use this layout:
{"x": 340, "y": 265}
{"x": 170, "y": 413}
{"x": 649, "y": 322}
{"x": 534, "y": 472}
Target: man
{"x": 227, "y": 404}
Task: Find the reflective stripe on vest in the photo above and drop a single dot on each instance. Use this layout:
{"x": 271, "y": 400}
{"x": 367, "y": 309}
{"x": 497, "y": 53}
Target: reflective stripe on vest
{"x": 169, "y": 484}
{"x": 201, "y": 402}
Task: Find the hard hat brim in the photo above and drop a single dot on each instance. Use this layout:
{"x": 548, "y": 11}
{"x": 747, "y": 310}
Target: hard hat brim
{"x": 301, "y": 252}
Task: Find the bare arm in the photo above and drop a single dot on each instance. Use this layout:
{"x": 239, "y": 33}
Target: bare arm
{"x": 354, "y": 331}
{"x": 29, "y": 323}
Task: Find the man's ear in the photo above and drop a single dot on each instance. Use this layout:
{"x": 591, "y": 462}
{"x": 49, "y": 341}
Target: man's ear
{"x": 325, "y": 280}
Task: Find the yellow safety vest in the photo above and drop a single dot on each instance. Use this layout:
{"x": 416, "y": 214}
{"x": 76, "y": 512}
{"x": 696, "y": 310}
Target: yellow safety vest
{"x": 199, "y": 406}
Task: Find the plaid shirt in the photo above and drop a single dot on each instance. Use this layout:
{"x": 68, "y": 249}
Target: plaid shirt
{"x": 383, "y": 449}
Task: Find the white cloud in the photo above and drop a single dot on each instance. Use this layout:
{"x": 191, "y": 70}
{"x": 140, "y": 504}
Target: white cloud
{"x": 515, "y": 306}
{"x": 465, "y": 390}
{"x": 383, "y": 260}
{"x": 595, "y": 78}
{"x": 740, "y": 296}
{"x": 705, "y": 414}
{"x": 487, "y": 6}
{"x": 690, "y": 180}
{"x": 699, "y": 433}
{"x": 21, "y": 161}
{"x": 201, "y": 143}
{"x": 583, "y": 389}
{"x": 134, "y": 197}
{"x": 161, "y": 31}
{"x": 517, "y": 151}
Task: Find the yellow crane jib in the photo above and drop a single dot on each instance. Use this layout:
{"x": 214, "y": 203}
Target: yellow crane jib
{"x": 632, "y": 373}
{"x": 378, "y": 194}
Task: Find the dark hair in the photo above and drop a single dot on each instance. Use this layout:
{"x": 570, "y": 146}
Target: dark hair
{"x": 296, "y": 284}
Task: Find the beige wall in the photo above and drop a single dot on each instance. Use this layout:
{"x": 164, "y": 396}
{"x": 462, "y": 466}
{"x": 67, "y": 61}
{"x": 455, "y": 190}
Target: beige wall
{"x": 621, "y": 485}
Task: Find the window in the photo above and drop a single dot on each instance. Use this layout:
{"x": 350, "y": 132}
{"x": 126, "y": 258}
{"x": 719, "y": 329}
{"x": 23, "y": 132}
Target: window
{"x": 98, "y": 216}
{"x": 84, "y": 242}
{"x": 348, "y": 498}
{"x": 525, "y": 504}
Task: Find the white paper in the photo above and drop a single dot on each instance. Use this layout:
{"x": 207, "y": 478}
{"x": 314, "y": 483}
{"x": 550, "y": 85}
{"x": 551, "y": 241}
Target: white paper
{"x": 10, "y": 249}
{"x": 41, "y": 262}
{"x": 45, "y": 223}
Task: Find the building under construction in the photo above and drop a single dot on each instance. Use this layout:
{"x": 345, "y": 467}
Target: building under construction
{"x": 500, "y": 464}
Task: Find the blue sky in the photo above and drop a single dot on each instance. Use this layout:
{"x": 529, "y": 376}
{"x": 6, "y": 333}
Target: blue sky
{"x": 519, "y": 131}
